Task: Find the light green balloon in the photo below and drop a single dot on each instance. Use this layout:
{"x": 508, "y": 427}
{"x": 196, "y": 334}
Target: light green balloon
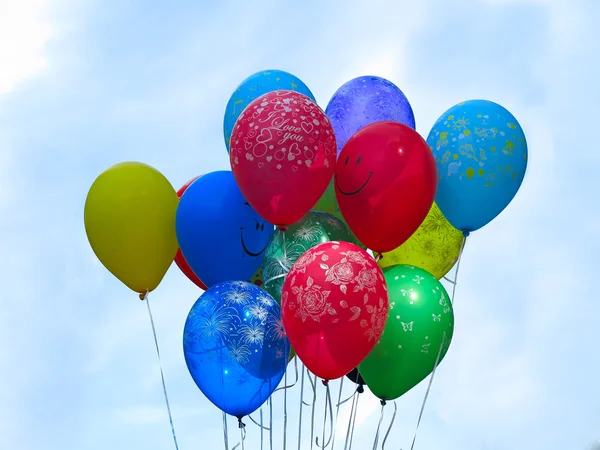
{"x": 328, "y": 203}
{"x": 420, "y": 322}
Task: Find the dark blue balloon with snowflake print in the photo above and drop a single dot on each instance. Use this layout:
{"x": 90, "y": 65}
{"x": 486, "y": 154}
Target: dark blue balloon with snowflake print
{"x": 235, "y": 346}
{"x": 365, "y": 100}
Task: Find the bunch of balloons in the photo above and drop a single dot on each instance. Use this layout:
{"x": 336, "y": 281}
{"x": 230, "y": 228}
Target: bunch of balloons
{"x": 344, "y": 220}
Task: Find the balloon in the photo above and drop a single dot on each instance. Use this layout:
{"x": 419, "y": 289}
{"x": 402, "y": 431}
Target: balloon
{"x": 282, "y": 155}
{"x": 385, "y": 182}
{"x": 220, "y": 235}
{"x": 328, "y": 203}
{"x": 355, "y": 377}
{"x": 435, "y": 246}
{"x": 420, "y": 323}
{"x": 365, "y": 100}
{"x": 254, "y": 86}
{"x": 235, "y": 346}
{"x": 481, "y": 155}
{"x": 130, "y": 223}
{"x": 179, "y": 259}
{"x": 334, "y": 307}
{"x": 285, "y": 247}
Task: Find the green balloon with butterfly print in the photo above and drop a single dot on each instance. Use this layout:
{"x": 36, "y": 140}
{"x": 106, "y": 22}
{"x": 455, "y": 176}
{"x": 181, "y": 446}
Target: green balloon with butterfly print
{"x": 417, "y": 333}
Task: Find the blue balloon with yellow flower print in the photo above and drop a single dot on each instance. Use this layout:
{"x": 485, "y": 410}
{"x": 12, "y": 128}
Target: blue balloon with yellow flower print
{"x": 481, "y": 156}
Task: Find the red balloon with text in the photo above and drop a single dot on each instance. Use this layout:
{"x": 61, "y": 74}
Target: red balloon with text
{"x": 282, "y": 155}
{"x": 179, "y": 258}
{"x": 385, "y": 183}
{"x": 334, "y": 307}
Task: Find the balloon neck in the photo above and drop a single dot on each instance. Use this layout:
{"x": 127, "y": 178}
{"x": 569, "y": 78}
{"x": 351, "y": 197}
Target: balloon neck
{"x": 240, "y": 423}
{"x": 466, "y": 233}
{"x": 378, "y": 256}
{"x": 325, "y": 382}
{"x": 283, "y": 229}
{"x": 360, "y": 389}
{"x": 383, "y": 402}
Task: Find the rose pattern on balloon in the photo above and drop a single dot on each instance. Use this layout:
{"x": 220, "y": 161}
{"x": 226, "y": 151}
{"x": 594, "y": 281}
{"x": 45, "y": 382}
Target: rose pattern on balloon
{"x": 334, "y": 307}
{"x": 311, "y": 301}
{"x": 354, "y": 270}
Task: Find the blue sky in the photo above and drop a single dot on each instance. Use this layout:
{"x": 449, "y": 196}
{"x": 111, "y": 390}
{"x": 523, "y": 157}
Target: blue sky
{"x": 85, "y": 84}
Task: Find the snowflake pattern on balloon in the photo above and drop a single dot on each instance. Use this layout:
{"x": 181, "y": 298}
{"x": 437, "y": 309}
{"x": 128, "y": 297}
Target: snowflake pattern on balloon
{"x": 238, "y": 316}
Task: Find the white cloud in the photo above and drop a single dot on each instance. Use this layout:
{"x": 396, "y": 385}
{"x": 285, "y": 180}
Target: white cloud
{"x": 24, "y": 32}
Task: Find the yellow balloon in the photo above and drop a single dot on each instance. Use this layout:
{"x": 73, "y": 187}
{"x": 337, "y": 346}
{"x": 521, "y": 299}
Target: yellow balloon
{"x": 435, "y": 246}
{"x": 130, "y": 223}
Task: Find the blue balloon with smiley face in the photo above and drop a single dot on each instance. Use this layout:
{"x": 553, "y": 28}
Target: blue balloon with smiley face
{"x": 221, "y": 237}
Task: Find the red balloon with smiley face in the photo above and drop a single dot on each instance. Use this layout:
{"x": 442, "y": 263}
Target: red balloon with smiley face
{"x": 282, "y": 155}
{"x": 385, "y": 183}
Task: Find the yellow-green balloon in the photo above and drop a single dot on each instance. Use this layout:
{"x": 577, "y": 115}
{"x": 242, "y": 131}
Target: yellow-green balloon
{"x": 130, "y": 223}
{"x": 419, "y": 326}
{"x": 328, "y": 203}
{"x": 435, "y": 246}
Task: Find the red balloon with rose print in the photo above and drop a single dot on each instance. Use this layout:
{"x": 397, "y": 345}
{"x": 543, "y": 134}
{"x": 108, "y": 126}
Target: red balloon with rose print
{"x": 282, "y": 155}
{"x": 334, "y": 306}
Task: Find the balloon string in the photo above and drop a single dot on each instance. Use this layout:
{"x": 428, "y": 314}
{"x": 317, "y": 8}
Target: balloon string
{"x": 261, "y": 429}
{"x": 379, "y": 425}
{"x": 162, "y": 375}
{"x": 285, "y": 386}
{"x": 300, "y": 413}
{"x": 462, "y": 248}
{"x": 314, "y": 401}
{"x": 312, "y": 385}
{"x": 225, "y": 437}
{"x": 390, "y": 427}
{"x": 285, "y": 410}
{"x": 351, "y": 423}
{"x": 270, "y": 423}
{"x": 328, "y": 407}
{"x": 260, "y": 425}
{"x": 437, "y": 360}
{"x": 353, "y": 397}
{"x": 337, "y": 412}
{"x": 242, "y": 435}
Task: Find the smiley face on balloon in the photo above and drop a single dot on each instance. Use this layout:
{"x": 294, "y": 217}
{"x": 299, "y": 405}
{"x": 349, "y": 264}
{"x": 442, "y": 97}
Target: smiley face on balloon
{"x": 385, "y": 182}
{"x": 220, "y": 235}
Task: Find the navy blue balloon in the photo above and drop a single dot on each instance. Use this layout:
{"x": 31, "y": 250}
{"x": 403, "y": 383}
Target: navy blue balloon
{"x": 220, "y": 235}
{"x": 365, "y": 100}
{"x": 235, "y": 346}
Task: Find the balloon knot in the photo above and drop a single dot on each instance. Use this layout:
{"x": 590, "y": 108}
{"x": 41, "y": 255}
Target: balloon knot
{"x": 378, "y": 256}
{"x": 466, "y": 233}
{"x": 383, "y": 403}
{"x": 240, "y": 423}
{"x": 325, "y": 382}
{"x": 282, "y": 229}
{"x": 142, "y": 297}
{"x": 360, "y": 389}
